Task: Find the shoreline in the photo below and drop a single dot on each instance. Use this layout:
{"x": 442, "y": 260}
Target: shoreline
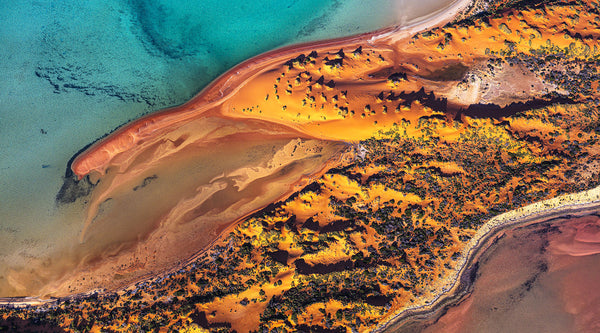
{"x": 218, "y": 92}
{"x": 451, "y": 289}
{"x": 575, "y": 205}
{"x": 565, "y": 206}
{"x": 98, "y": 154}
{"x": 351, "y": 152}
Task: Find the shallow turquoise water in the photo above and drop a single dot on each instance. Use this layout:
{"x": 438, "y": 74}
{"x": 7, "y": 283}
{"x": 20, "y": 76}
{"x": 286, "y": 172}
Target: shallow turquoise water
{"x": 71, "y": 71}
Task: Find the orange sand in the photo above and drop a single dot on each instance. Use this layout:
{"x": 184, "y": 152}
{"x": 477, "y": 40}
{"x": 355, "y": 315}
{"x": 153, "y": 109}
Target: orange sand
{"x": 99, "y": 156}
{"x": 150, "y": 198}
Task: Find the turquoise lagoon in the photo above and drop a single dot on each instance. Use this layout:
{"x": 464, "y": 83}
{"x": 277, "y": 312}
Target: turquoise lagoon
{"x": 73, "y": 71}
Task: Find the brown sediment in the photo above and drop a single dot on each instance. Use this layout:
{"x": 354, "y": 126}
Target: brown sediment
{"x": 578, "y": 240}
{"x": 171, "y": 199}
{"x": 184, "y": 208}
{"x": 174, "y": 242}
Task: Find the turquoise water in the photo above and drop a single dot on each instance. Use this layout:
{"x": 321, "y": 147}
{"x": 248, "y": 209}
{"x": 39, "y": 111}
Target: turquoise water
{"x": 72, "y": 71}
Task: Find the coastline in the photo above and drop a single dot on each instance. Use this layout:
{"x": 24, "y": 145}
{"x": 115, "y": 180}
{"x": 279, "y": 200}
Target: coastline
{"x": 449, "y": 290}
{"x": 342, "y": 157}
{"x": 227, "y": 84}
{"x": 97, "y": 156}
{"x": 565, "y": 206}
{"x": 568, "y": 205}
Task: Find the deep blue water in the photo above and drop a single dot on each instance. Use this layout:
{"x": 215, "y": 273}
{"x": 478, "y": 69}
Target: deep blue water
{"x": 72, "y": 71}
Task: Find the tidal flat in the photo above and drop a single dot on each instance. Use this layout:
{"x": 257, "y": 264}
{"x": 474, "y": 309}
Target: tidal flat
{"x": 541, "y": 277}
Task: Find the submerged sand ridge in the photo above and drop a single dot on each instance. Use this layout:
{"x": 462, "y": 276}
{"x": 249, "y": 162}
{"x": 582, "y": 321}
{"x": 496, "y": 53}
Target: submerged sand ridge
{"x": 170, "y": 197}
{"x": 201, "y": 150}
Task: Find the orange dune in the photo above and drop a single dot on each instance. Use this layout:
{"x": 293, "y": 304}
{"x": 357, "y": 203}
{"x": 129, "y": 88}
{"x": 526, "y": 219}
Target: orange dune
{"x": 99, "y": 156}
{"x": 179, "y": 177}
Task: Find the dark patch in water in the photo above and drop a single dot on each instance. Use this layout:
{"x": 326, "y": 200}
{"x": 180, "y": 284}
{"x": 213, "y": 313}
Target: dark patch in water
{"x": 145, "y": 183}
{"x": 73, "y": 78}
{"x": 147, "y": 15}
{"x": 69, "y": 172}
{"x": 318, "y": 23}
{"x": 471, "y": 275}
{"x": 73, "y": 189}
